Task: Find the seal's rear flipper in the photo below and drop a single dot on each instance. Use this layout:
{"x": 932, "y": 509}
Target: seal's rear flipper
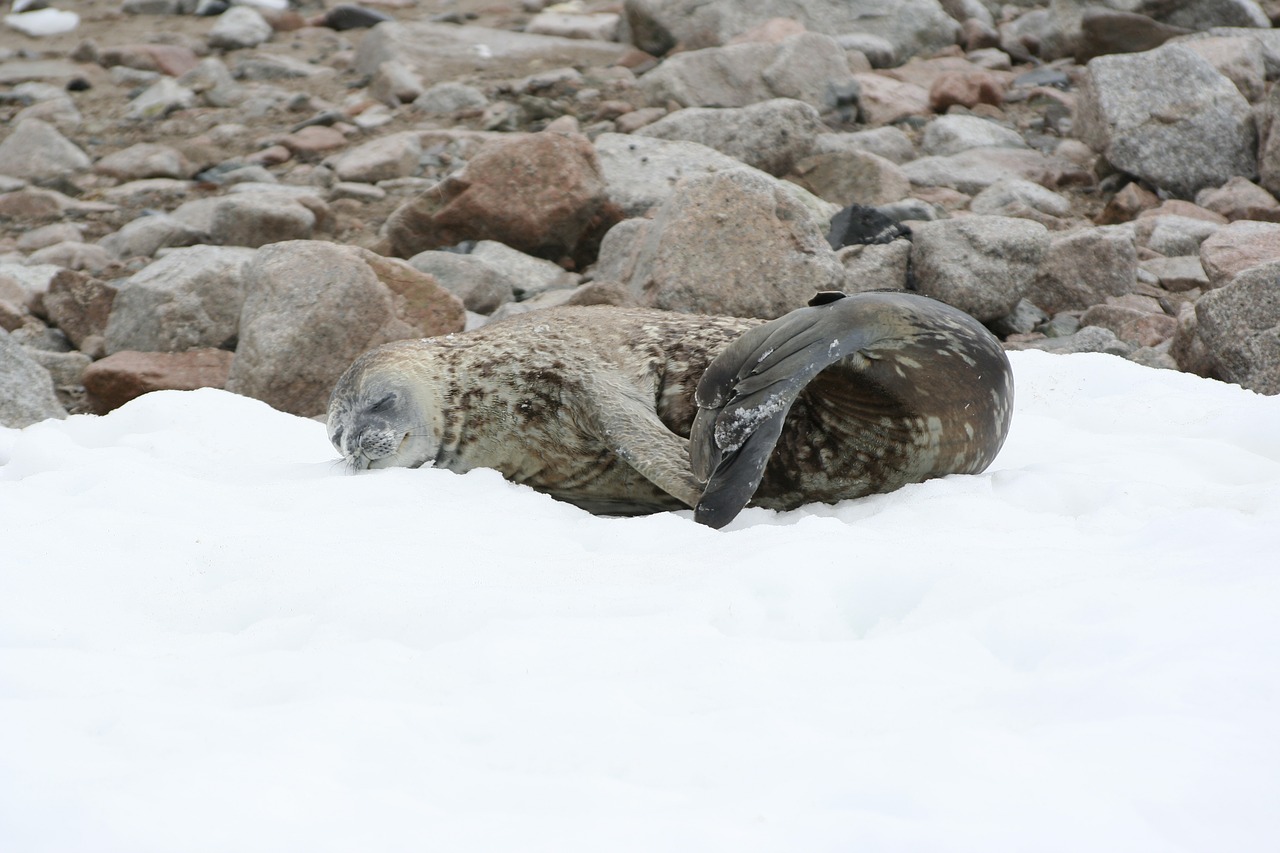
{"x": 746, "y": 392}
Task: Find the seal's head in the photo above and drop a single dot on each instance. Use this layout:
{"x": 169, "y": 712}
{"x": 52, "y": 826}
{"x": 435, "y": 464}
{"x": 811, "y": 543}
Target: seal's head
{"x": 381, "y": 415}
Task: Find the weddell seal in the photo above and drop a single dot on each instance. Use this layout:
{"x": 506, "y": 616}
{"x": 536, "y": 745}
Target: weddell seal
{"x": 632, "y": 410}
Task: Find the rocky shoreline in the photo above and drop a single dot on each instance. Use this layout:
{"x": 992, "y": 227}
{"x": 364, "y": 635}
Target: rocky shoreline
{"x": 249, "y": 196}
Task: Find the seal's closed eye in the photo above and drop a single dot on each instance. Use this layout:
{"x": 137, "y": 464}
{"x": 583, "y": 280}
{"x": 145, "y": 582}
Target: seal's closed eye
{"x": 384, "y": 404}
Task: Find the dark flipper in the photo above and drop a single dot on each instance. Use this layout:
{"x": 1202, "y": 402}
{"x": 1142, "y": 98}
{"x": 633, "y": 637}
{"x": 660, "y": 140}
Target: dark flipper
{"x": 746, "y": 392}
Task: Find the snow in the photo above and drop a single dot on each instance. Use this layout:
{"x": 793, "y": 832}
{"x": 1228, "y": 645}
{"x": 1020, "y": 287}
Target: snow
{"x": 212, "y": 638}
{"x": 42, "y": 22}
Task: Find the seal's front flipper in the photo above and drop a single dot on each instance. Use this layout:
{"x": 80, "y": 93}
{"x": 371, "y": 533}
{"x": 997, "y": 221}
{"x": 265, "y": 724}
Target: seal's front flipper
{"x": 746, "y": 392}
{"x": 633, "y": 431}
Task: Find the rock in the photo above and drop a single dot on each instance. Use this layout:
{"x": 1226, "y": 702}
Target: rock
{"x": 172, "y": 60}
{"x": 887, "y": 142}
{"x": 159, "y": 99}
{"x": 481, "y": 287}
{"x": 239, "y": 27}
{"x": 312, "y": 307}
{"x": 980, "y": 264}
{"x": 26, "y": 388}
{"x": 381, "y": 159}
{"x": 857, "y": 177}
{"x": 396, "y": 83}
{"x": 80, "y": 306}
{"x": 1240, "y": 198}
{"x": 450, "y": 97}
{"x": 145, "y": 160}
{"x": 965, "y": 89}
{"x": 1269, "y": 145}
{"x": 771, "y": 136}
{"x": 528, "y": 275}
{"x": 1187, "y": 349}
{"x": 603, "y": 26}
{"x": 974, "y": 170}
{"x": 1168, "y": 117}
{"x": 1240, "y": 60}
{"x": 1024, "y": 200}
{"x": 1106, "y": 31}
{"x": 257, "y": 218}
{"x": 1173, "y": 235}
{"x": 1177, "y": 274}
{"x": 446, "y": 52}
{"x": 146, "y": 235}
{"x": 260, "y": 67}
{"x": 1065, "y": 281}
{"x": 640, "y": 172}
{"x": 861, "y": 225}
{"x": 1240, "y": 326}
{"x": 347, "y": 16}
{"x": 1140, "y": 328}
{"x": 883, "y": 100}
{"x": 911, "y": 27}
{"x": 1205, "y": 14}
{"x": 48, "y": 235}
{"x": 540, "y": 193}
{"x": 770, "y": 253}
{"x": 1088, "y": 339}
{"x": 74, "y": 255}
{"x": 34, "y": 150}
{"x": 124, "y": 376}
{"x": 952, "y": 134}
{"x": 882, "y": 266}
{"x": 189, "y": 299}
{"x": 806, "y": 67}
{"x": 1235, "y": 248}
{"x": 313, "y": 142}
{"x": 1023, "y": 319}
{"x": 1127, "y": 204}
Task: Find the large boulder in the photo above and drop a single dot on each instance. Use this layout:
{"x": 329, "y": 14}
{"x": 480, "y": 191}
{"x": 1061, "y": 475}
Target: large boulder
{"x": 771, "y": 135}
{"x": 312, "y": 307}
{"x": 1240, "y": 327}
{"x": 34, "y": 150}
{"x": 807, "y": 67}
{"x": 909, "y": 26}
{"x": 980, "y": 264}
{"x": 1169, "y": 117}
{"x": 768, "y": 256}
{"x": 1234, "y": 248}
{"x": 115, "y": 380}
{"x": 26, "y": 389}
{"x": 541, "y": 193}
{"x": 189, "y": 299}
{"x": 1065, "y": 282}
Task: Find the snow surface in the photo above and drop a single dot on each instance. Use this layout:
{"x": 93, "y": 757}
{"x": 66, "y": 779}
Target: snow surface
{"x": 213, "y": 638}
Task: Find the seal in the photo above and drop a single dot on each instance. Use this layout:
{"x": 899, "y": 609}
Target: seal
{"x": 632, "y": 410}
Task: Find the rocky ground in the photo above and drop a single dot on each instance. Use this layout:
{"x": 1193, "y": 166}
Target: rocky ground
{"x": 249, "y": 197}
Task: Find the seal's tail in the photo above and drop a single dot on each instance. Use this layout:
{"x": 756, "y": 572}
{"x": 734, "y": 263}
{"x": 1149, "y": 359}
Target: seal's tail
{"x": 748, "y": 390}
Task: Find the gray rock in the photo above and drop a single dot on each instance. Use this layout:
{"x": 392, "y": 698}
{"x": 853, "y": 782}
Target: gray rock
{"x": 1238, "y": 59}
{"x": 257, "y": 218}
{"x": 887, "y": 142}
{"x": 261, "y": 67}
{"x": 807, "y": 67}
{"x": 1088, "y": 339}
{"x": 1132, "y": 325}
{"x": 1268, "y": 39}
{"x": 213, "y": 82}
{"x": 393, "y": 156}
{"x": 446, "y": 52}
{"x": 449, "y": 97}
{"x": 145, "y": 160}
{"x": 1024, "y": 318}
{"x": 146, "y": 235}
{"x": 34, "y": 150}
{"x": 974, "y": 170}
{"x": 481, "y": 288}
{"x": 1172, "y": 235}
{"x": 875, "y": 266}
{"x": 1236, "y": 247}
{"x": 1240, "y": 327}
{"x": 190, "y": 298}
{"x": 1025, "y": 200}
{"x": 80, "y": 306}
{"x": 159, "y": 99}
{"x": 1269, "y": 146}
{"x": 951, "y": 134}
{"x": 852, "y": 177}
{"x": 980, "y": 264}
{"x": 1177, "y": 274}
{"x": 312, "y": 307}
{"x": 601, "y": 27}
{"x": 65, "y": 368}
{"x": 1084, "y": 267}
{"x": 771, "y": 136}
{"x": 1168, "y": 117}
{"x": 910, "y": 26}
{"x": 26, "y": 388}
{"x": 239, "y": 27}
{"x": 1204, "y": 14}
{"x": 396, "y": 83}
{"x": 528, "y": 275}
{"x": 769, "y": 256}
